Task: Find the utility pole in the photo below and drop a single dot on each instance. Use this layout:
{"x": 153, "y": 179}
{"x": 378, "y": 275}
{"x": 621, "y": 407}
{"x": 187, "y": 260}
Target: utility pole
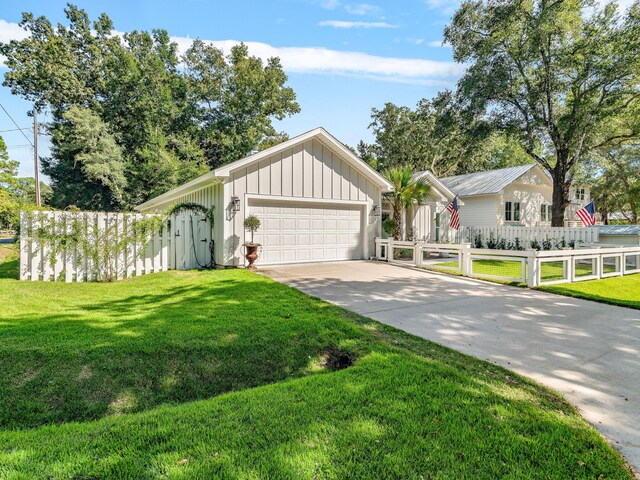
{"x": 35, "y": 156}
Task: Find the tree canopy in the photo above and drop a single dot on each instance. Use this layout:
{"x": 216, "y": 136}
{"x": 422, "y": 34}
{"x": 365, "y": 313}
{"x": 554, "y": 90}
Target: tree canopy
{"x": 130, "y": 116}
{"x": 437, "y": 136}
{"x": 562, "y": 76}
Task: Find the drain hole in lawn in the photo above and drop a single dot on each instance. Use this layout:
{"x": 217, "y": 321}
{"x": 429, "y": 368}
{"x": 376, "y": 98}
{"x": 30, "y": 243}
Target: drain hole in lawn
{"x": 335, "y": 358}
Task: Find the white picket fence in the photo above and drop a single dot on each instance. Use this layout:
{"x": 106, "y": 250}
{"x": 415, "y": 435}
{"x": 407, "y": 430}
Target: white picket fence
{"x": 182, "y": 244}
{"x": 582, "y": 235}
{"x": 533, "y": 267}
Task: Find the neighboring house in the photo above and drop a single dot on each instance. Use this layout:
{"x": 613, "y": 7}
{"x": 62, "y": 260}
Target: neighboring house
{"x": 628, "y": 235}
{"x": 515, "y": 196}
{"x": 316, "y": 201}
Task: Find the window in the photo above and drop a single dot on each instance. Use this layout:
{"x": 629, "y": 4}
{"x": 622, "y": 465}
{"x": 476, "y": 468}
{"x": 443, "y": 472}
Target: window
{"x": 580, "y": 194}
{"x": 511, "y": 211}
{"x": 545, "y": 213}
{"x": 437, "y": 227}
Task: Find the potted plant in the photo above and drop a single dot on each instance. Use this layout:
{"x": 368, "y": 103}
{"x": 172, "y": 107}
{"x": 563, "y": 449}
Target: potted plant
{"x": 251, "y": 224}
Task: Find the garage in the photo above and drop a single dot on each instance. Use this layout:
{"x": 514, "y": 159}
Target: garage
{"x": 298, "y": 232}
{"x": 316, "y": 200}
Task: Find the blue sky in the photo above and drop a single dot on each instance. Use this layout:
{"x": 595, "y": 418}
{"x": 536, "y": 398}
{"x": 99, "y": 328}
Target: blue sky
{"x": 342, "y": 58}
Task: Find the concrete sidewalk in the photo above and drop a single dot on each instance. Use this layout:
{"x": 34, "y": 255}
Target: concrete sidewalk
{"x": 588, "y": 351}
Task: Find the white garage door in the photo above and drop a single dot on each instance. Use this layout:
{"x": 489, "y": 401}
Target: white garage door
{"x": 293, "y": 232}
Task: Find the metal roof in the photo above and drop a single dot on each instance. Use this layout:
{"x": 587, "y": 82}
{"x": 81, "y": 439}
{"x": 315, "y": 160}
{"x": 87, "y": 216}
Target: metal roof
{"x": 485, "y": 183}
{"x": 619, "y": 229}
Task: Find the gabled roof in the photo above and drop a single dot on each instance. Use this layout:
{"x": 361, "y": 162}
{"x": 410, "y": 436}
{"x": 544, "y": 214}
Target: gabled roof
{"x": 486, "y": 183}
{"x": 223, "y": 172}
{"x": 446, "y": 195}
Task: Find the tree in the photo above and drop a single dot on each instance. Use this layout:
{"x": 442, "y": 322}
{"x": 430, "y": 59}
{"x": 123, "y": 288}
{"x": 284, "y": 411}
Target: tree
{"x": 85, "y": 149}
{"x": 439, "y": 137}
{"x": 562, "y": 76}
{"x": 616, "y": 184}
{"x": 171, "y": 117}
{"x": 407, "y": 190}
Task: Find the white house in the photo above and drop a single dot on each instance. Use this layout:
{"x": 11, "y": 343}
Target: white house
{"x": 519, "y": 195}
{"x": 316, "y": 201}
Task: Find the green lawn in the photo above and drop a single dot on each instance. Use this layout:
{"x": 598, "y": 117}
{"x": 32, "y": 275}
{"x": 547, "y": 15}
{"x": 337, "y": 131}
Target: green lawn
{"x": 509, "y": 268}
{"x": 623, "y": 291}
{"x": 221, "y": 375}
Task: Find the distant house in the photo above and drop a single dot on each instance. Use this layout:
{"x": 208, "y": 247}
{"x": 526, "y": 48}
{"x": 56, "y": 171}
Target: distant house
{"x": 514, "y": 196}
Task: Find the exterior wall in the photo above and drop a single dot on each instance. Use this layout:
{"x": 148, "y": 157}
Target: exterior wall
{"x": 479, "y": 210}
{"x": 576, "y": 204}
{"x": 306, "y": 171}
{"x": 421, "y": 222}
{"x": 531, "y": 195}
{"x": 629, "y": 240}
{"x": 207, "y": 196}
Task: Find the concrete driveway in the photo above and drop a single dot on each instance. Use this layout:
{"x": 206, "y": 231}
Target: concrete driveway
{"x": 588, "y": 351}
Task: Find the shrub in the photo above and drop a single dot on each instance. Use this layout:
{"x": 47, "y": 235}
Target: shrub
{"x": 389, "y": 226}
{"x": 251, "y": 224}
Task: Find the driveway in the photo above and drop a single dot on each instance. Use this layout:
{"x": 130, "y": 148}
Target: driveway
{"x": 588, "y": 351}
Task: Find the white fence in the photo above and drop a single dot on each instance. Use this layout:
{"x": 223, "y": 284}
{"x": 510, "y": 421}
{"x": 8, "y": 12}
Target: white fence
{"x": 525, "y": 235}
{"x": 182, "y": 243}
{"x": 535, "y": 268}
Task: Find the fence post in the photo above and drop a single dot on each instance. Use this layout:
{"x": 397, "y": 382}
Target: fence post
{"x": 390, "y": 250}
{"x": 465, "y": 251}
{"x": 417, "y": 253}
{"x": 532, "y": 273}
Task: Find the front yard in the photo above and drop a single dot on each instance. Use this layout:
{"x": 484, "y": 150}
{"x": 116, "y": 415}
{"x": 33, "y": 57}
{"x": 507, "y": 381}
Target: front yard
{"x": 623, "y": 291}
{"x": 227, "y": 374}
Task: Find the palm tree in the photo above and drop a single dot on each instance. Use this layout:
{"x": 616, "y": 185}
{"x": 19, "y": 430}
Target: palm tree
{"x": 407, "y": 190}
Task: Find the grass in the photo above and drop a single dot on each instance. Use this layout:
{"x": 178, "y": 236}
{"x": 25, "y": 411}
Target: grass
{"x": 622, "y": 291}
{"x": 509, "y": 268}
{"x": 219, "y": 375}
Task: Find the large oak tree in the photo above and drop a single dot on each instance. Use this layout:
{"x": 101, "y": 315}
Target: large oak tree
{"x": 562, "y": 75}
{"x": 169, "y": 117}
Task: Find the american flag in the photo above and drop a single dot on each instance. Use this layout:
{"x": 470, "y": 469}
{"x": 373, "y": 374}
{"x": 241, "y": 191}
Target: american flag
{"x": 587, "y": 214}
{"x": 454, "y": 222}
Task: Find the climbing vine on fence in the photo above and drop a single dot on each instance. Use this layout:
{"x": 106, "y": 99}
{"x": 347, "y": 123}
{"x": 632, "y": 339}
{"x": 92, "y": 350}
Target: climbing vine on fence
{"x": 106, "y": 241}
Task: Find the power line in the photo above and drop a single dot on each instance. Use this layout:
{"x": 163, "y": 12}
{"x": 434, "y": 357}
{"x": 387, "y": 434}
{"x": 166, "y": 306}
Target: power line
{"x": 15, "y": 130}
{"x": 14, "y": 122}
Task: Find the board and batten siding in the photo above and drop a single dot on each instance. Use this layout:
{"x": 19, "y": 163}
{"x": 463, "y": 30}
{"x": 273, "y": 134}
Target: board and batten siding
{"x": 207, "y": 196}
{"x": 310, "y": 170}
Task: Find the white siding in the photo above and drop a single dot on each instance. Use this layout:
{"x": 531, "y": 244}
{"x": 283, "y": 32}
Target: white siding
{"x": 479, "y": 210}
{"x": 309, "y": 170}
{"x": 421, "y": 223}
{"x": 531, "y": 198}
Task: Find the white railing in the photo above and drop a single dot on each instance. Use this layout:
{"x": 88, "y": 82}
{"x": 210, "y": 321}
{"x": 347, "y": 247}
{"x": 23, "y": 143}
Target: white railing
{"x": 525, "y": 235}
{"x": 533, "y": 267}
{"x": 182, "y": 243}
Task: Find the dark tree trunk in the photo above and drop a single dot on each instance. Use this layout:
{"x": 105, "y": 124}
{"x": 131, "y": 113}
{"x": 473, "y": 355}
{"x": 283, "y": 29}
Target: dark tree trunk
{"x": 560, "y": 197}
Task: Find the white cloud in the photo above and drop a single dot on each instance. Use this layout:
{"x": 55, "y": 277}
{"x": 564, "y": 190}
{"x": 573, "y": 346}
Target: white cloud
{"x": 320, "y": 60}
{"x": 415, "y": 41}
{"x": 363, "y": 9}
{"x": 446, "y": 7}
{"x": 11, "y": 31}
{"x": 330, "y": 4}
{"x": 439, "y": 44}
{"x": 344, "y": 24}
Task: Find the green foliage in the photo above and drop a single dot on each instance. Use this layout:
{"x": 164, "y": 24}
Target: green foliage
{"x": 389, "y": 226}
{"x": 562, "y": 77}
{"x": 168, "y": 118}
{"x": 192, "y": 207}
{"x": 252, "y": 224}
{"x": 103, "y": 243}
{"x": 616, "y": 183}
{"x": 15, "y": 193}
{"x": 83, "y": 143}
{"x": 408, "y": 189}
